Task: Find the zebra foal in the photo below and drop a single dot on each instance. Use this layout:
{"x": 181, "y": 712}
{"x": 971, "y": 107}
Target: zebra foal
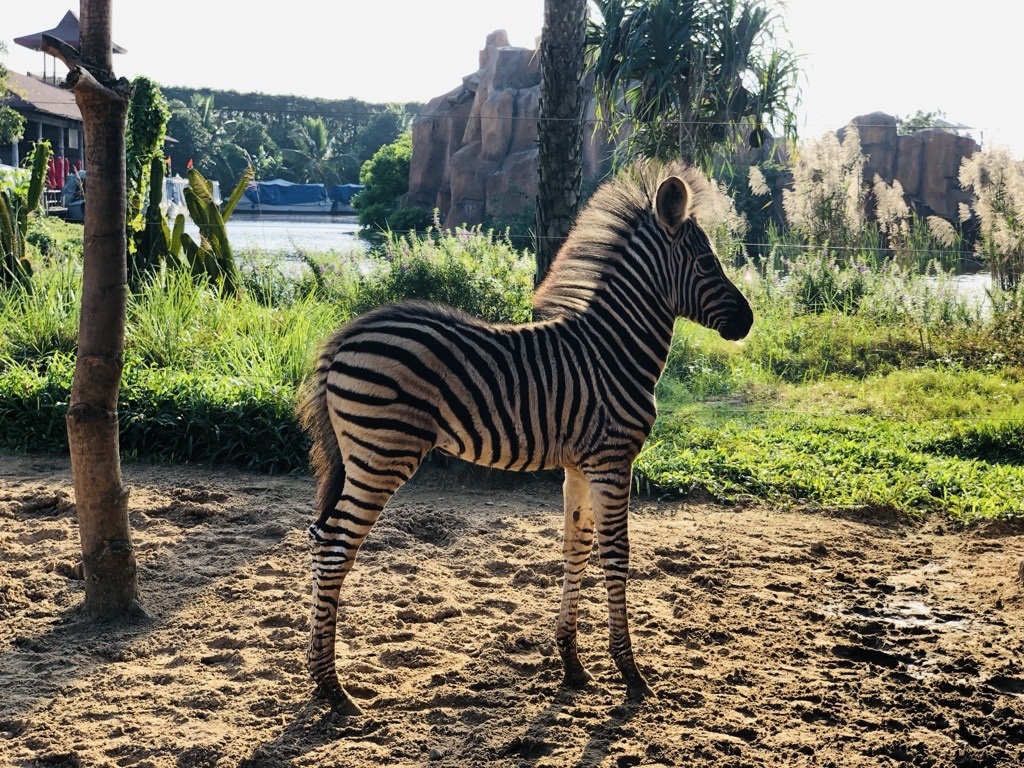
{"x": 574, "y": 390}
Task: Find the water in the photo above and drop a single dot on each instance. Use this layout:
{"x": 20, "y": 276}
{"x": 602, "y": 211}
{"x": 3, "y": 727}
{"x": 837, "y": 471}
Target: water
{"x": 288, "y": 233}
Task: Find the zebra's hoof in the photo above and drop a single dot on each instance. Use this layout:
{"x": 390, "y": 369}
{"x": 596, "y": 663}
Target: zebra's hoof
{"x": 341, "y": 703}
{"x": 640, "y": 691}
{"x": 577, "y": 679}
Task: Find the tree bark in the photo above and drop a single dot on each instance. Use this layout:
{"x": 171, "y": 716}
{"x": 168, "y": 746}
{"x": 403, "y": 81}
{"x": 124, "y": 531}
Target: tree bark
{"x": 101, "y": 500}
{"x": 560, "y": 132}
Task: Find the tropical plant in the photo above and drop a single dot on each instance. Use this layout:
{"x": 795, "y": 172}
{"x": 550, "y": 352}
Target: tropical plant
{"x": 689, "y": 77}
{"x": 159, "y": 246}
{"x": 386, "y": 179}
{"x": 313, "y": 156}
{"x": 212, "y": 255}
{"x": 15, "y": 208}
{"x": 997, "y": 180}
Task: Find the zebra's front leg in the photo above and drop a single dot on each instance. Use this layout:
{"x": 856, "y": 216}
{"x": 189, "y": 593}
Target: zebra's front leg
{"x": 335, "y": 540}
{"x": 577, "y": 543}
{"x": 609, "y": 490}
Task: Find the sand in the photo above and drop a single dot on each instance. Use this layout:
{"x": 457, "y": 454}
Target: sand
{"x": 772, "y": 637}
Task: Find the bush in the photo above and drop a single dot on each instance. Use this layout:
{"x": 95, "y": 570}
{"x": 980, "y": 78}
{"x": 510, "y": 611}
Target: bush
{"x": 467, "y": 269}
{"x": 386, "y": 179}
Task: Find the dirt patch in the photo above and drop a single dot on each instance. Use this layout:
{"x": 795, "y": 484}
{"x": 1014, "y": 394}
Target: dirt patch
{"x": 773, "y": 638}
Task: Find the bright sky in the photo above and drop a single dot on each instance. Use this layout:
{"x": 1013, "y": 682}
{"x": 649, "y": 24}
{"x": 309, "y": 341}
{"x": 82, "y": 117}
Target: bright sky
{"x": 894, "y": 56}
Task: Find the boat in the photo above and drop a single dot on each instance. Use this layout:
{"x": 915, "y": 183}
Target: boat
{"x": 172, "y": 204}
{"x": 280, "y": 196}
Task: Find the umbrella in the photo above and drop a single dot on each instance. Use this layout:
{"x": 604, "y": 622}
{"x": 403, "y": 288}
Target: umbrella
{"x": 67, "y": 31}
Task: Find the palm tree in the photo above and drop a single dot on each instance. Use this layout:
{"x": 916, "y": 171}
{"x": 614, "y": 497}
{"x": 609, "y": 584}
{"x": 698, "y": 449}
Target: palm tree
{"x": 313, "y": 158}
{"x": 560, "y": 131}
{"x": 689, "y": 77}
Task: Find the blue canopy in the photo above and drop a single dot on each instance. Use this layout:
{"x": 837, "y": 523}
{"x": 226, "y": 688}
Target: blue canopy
{"x": 343, "y": 193}
{"x": 281, "y": 192}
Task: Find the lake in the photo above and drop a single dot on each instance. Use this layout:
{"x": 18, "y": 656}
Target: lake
{"x": 289, "y": 233}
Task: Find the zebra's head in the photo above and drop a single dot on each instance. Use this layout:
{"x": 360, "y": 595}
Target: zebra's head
{"x": 702, "y": 291}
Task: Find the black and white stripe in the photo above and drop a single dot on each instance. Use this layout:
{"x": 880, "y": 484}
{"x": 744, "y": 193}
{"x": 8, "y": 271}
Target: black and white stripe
{"x": 574, "y": 390}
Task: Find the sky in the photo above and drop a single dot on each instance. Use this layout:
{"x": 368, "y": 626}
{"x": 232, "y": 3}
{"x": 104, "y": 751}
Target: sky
{"x": 893, "y": 56}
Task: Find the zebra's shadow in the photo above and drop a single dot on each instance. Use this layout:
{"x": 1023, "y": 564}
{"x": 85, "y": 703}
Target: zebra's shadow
{"x": 538, "y": 741}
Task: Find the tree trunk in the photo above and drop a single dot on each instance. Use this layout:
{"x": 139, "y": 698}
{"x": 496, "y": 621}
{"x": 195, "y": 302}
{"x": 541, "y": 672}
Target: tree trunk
{"x": 101, "y": 500}
{"x": 560, "y": 132}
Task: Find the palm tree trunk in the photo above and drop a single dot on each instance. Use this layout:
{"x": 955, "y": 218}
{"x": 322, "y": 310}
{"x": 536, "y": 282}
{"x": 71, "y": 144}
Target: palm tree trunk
{"x": 101, "y": 500}
{"x": 560, "y": 133}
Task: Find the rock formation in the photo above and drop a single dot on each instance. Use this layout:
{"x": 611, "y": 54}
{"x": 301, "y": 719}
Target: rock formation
{"x": 926, "y": 163}
{"x": 474, "y": 155}
{"x": 474, "y": 152}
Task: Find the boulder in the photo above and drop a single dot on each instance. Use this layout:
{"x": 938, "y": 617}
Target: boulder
{"x": 878, "y": 142}
{"x": 475, "y": 148}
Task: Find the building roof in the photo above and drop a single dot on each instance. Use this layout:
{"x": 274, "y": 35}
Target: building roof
{"x": 28, "y": 94}
{"x": 67, "y": 30}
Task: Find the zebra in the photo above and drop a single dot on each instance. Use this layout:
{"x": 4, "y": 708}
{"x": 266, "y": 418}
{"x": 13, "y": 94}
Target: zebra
{"x": 574, "y": 390}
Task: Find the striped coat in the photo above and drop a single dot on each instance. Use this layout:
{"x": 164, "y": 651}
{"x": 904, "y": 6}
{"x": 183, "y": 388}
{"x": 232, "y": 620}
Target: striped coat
{"x": 572, "y": 390}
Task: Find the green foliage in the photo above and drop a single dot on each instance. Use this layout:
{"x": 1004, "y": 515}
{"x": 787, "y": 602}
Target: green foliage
{"x": 466, "y": 268}
{"x": 860, "y": 386}
{"x": 693, "y": 76}
{"x": 15, "y": 209}
{"x": 41, "y": 318}
{"x": 919, "y": 121}
{"x": 12, "y": 124}
{"x": 212, "y": 255}
{"x": 386, "y": 179}
{"x": 148, "y": 113}
{"x": 832, "y": 461}
{"x": 165, "y": 415}
{"x": 314, "y": 156}
{"x": 223, "y": 132}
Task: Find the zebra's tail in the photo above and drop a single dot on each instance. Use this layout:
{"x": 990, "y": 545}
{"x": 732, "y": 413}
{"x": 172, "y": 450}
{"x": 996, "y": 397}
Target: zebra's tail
{"x": 324, "y": 454}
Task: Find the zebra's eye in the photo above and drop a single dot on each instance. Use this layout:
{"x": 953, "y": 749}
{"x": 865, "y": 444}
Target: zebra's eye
{"x": 706, "y": 262}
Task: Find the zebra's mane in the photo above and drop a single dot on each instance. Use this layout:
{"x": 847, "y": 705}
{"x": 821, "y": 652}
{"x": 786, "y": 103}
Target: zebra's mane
{"x": 596, "y": 243}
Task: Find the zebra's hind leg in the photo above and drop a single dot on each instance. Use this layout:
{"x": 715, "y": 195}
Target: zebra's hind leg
{"x": 335, "y": 539}
{"x": 577, "y": 543}
{"x": 610, "y": 489}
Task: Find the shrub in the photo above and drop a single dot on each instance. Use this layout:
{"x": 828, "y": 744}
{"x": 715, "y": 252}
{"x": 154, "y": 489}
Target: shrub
{"x": 467, "y": 269}
{"x": 998, "y": 184}
{"x": 386, "y": 179}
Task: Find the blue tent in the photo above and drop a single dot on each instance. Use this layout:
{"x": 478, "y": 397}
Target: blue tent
{"x": 281, "y": 192}
{"x": 343, "y": 193}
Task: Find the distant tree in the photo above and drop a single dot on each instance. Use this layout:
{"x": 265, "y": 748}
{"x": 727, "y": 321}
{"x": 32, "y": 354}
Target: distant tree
{"x": 12, "y": 125}
{"x": 689, "y": 77}
{"x": 381, "y": 128}
{"x": 256, "y": 149}
{"x": 920, "y": 120}
{"x": 313, "y": 156}
{"x": 560, "y": 132}
{"x": 386, "y": 176}
{"x": 191, "y": 137}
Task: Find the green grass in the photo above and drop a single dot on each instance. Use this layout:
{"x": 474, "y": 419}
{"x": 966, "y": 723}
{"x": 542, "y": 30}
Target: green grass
{"x": 879, "y": 390}
{"x": 910, "y": 441}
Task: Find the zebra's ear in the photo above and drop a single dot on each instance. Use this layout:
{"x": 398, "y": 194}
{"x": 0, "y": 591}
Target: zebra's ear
{"x": 672, "y": 204}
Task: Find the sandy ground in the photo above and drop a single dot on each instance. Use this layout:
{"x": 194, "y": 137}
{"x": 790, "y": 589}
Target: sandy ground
{"x": 773, "y": 638}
